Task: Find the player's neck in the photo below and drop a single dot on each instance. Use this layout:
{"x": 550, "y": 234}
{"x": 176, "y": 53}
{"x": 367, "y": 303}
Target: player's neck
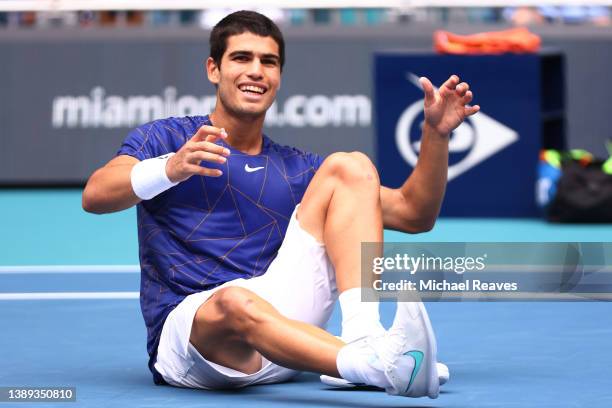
{"x": 243, "y": 135}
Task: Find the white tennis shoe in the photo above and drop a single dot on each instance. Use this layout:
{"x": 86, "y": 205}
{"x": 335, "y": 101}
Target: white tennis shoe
{"x": 443, "y": 377}
{"x": 402, "y": 361}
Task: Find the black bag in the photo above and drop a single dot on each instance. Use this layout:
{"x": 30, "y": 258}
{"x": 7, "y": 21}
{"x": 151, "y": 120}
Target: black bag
{"x": 584, "y": 194}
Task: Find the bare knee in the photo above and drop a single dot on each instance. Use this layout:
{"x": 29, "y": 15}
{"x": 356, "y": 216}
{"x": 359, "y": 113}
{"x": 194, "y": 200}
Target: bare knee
{"x": 241, "y": 310}
{"x": 352, "y": 168}
{"x": 366, "y": 166}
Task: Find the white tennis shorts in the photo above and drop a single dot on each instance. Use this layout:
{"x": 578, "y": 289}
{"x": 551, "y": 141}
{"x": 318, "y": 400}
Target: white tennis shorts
{"x": 300, "y": 283}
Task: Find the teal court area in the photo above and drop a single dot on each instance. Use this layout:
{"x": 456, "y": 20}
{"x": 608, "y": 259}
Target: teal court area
{"x": 539, "y": 354}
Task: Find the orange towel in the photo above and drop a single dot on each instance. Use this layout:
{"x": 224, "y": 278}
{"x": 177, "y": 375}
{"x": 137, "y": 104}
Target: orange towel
{"x": 516, "y": 40}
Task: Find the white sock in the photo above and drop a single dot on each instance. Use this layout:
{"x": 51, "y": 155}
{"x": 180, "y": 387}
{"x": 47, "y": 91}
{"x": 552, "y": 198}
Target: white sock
{"x": 359, "y": 319}
{"x": 357, "y": 366}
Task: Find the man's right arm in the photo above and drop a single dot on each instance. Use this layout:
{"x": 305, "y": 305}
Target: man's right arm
{"x": 109, "y": 188}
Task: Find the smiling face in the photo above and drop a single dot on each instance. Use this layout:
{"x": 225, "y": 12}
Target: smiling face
{"x": 248, "y": 76}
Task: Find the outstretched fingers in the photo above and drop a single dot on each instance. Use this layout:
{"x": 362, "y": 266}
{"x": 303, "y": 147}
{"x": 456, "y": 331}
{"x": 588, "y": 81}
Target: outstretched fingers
{"x": 451, "y": 84}
{"x": 462, "y": 89}
{"x": 467, "y": 97}
{"x": 448, "y": 107}
{"x": 204, "y": 171}
{"x": 214, "y": 137}
{"x": 209, "y": 134}
{"x": 428, "y": 90}
{"x": 201, "y": 148}
{"x": 470, "y": 110}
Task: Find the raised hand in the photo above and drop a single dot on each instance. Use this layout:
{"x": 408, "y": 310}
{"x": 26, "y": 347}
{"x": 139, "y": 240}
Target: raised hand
{"x": 201, "y": 147}
{"x": 447, "y": 107}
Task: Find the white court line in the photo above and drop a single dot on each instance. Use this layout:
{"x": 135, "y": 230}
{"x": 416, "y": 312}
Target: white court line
{"x": 26, "y": 269}
{"x": 69, "y": 295}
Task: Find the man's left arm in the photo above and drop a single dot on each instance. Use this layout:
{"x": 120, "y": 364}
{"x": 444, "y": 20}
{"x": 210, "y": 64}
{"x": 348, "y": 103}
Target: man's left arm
{"x": 415, "y": 206}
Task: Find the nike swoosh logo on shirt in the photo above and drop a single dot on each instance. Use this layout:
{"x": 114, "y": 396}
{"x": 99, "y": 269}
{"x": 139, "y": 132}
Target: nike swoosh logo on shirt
{"x": 418, "y": 360}
{"x": 249, "y": 169}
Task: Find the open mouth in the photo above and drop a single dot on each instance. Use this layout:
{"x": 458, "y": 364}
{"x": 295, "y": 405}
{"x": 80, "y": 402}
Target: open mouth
{"x": 252, "y": 89}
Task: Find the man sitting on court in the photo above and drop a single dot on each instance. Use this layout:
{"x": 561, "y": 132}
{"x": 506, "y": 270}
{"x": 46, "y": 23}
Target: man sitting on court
{"x": 245, "y": 244}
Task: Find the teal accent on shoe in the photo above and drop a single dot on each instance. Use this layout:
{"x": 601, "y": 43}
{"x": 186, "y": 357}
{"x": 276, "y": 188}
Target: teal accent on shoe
{"x": 418, "y": 360}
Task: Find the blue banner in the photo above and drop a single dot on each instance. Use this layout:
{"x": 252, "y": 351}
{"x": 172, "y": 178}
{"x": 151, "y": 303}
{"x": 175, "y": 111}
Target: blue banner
{"x": 493, "y": 155}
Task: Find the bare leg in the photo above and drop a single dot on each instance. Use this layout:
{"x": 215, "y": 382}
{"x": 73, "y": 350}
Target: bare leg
{"x": 341, "y": 207}
{"x": 235, "y": 327}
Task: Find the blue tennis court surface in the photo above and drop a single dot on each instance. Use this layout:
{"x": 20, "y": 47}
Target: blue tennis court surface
{"x": 499, "y": 354}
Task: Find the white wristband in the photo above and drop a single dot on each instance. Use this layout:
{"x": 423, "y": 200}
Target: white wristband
{"x": 149, "y": 177}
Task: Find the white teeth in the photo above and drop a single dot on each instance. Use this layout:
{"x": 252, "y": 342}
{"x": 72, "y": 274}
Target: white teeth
{"x": 251, "y": 88}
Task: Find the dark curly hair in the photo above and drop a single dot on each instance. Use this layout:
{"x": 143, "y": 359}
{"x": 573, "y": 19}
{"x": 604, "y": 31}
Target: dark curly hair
{"x": 241, "y": 22}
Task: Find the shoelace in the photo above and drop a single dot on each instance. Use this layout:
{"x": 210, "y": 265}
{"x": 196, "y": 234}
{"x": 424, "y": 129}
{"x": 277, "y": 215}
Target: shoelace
{"x": 388, "y": 347}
